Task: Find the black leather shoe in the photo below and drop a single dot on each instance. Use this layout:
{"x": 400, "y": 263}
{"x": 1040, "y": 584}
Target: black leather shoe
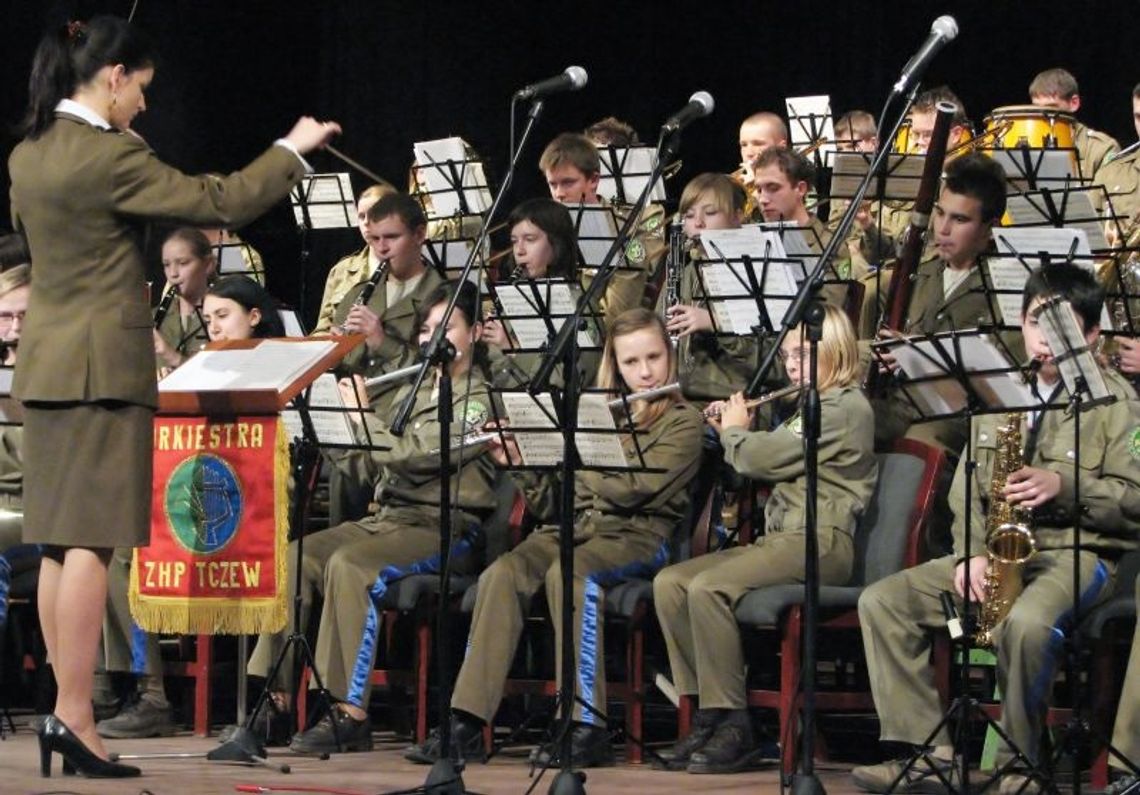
{"x": 77, "y": 757}
{"x": 676, "y": 757}
{"x": 335, "y": 733}
{"x": 589, "y": 747}
{"x": 466, "y": 740}
{"x": 730, "y": 749}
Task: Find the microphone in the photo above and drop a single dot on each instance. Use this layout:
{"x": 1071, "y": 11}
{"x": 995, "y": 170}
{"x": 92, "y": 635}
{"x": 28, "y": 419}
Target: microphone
{"x": 572, "y": 79}
{"x": 942, "y": 32}
{"x": 700, "y": 105}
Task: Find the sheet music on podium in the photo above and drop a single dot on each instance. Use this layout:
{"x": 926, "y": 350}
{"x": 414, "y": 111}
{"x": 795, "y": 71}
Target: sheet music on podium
{"x": 728, "y": 286}
{"x": 601, "y": 449}
{"x": 327, "y": 412}
{"x": 529, "y": 317}
{"x": 329, "y": 200}
{"x": 446, "y": 172}
{"x": 1074, "y": 357}
{"x": 1008, "y": 271}
{"x": 265, "y": 367}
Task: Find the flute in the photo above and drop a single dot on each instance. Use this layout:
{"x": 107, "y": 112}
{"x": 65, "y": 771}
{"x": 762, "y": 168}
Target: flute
{"x": 788, "y": 391}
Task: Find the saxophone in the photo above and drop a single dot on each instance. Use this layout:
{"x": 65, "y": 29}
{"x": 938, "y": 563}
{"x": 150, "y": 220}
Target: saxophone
{"x": 1009, "y": 535}
{"x": 674, "y": 263}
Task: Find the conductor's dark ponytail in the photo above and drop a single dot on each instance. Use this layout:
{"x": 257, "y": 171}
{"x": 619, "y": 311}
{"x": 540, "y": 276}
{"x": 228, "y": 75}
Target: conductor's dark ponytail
{"x": 71, "y": 55}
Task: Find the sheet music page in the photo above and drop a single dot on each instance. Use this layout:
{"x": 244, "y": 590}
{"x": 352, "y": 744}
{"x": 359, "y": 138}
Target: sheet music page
{"x": 450, "y": 255}
{"x": 1008, "y": 273}
{"x": 331, "y": 427}
{"x": 1029, "y": 209}
{"x": 597, "y": 228}
{"x": 728, "y": 278}
{"x": 904, "y": 175}
{"x": 639, "y": 162}
{"x": 435, "y": 175}
{"x": 270, "y": 365}
{"x": 944, "y": 395}
{"x": 291, "y": 322}
{"x": 538, "y": 449}
{"x": 230, "y": 259}
{"x": 1059, "y": 323}
{"x": 525, "y": 318}
{"x": 330, "y": 201}
{"x": 803, "y": 112}
{"x": 598, "y": 449}
{"x": 1050, "y": 167}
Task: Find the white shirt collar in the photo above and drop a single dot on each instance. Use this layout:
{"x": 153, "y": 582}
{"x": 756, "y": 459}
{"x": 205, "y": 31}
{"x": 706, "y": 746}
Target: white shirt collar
{"x": 82, "y": 111}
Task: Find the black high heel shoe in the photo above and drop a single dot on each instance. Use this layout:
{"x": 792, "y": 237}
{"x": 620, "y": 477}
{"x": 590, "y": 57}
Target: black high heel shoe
{"x": 77, "y": 757}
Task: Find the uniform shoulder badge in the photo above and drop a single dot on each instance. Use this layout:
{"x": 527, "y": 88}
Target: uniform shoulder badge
{"x": 635, "y": 251}
{"x": 474, "y": 416}
{"x": 796, "y": 425}
{"x": 1134, "y": 444}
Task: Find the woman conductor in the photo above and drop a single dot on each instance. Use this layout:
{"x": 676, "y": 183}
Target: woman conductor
{"x": 81, "y": 187}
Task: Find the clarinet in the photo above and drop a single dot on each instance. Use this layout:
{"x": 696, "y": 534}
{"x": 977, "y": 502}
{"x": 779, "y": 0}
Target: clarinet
{"x": 674, "y": 262}
{"x": 370, "y": 286}
{"x": 164, "y": 305}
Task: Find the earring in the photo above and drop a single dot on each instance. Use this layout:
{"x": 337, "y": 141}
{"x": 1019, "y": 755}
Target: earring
{"x": 114, "y": 100}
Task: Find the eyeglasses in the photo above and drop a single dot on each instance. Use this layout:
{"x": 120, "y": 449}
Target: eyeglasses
{"x": 6, "y": 318}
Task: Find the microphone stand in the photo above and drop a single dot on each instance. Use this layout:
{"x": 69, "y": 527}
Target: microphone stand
{"x": 806, "y": 309}
{"x": 564, "y": 350}
{"x": 445, "y": 778}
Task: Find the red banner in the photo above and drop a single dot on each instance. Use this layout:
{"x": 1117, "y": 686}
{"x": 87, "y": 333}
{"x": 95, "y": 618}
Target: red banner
{"x": 219, "y": 521}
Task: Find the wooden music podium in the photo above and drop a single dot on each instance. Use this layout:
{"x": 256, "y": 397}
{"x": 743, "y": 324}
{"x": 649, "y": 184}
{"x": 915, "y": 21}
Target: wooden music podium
{"x": 253, "y": 379}
{"x": 228, "y": 377}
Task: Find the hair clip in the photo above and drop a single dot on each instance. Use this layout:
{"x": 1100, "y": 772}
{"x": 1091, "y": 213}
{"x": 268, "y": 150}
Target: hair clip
{"x": 76, "y": 31}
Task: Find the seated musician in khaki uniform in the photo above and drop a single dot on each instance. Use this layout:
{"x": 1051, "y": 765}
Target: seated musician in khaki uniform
{"x": 946, "y": 292}
{"x": 1058, "y": 89}
{"x": 898, "y": 612}
{"x": 1120, "y": 176}
{"x": 573, "y": 168}
{"x": 622, "y": 525}
{"x": 353, "y": 564}
{"x": 355, "y": 268}
{"x": 695, "y": 599}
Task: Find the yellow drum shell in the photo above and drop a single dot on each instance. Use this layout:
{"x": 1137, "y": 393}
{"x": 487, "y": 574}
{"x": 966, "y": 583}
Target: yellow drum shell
{"x": 1030, "y": 125}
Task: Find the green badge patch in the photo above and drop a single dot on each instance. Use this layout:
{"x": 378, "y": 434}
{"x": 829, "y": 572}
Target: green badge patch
{"x": 1134, "y": 443}
{"x": 635, "y": 251}
{"x": 796, "y": 425}
{"x": 474, "y": 416}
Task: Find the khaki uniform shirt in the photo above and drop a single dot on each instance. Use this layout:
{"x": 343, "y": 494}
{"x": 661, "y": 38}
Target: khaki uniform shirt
{"x": 345, "y": 274}
{"x": 1110, "y": 476}
{"x": 1093, "y": 147}
{"x": 1120, "y": 176}
{"x": 187, "y": 339}
{"x": 401, "y": 334}
{"x": 634, "y": 500}
{"x": 406, "y": 469}
{"x": 89, "y": 334}
{"x": 847, "y": 465}
{"x": 11, "y": 468}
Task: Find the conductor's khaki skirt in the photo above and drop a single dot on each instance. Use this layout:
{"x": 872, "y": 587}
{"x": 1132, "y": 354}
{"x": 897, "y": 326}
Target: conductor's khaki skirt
{"x": 87, "y": 474}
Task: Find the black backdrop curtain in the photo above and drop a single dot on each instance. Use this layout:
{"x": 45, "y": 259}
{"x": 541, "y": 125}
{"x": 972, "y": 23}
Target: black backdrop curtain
{"x": 235, "y": 73}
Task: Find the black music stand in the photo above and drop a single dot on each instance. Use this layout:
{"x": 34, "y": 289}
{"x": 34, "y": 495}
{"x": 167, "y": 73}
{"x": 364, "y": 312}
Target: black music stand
{"x": 320, "y": 201}
{"x": 626, "y": 170}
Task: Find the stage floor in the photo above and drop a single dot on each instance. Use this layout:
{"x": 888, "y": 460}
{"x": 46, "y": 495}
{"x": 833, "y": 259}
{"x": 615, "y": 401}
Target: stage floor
{"x": 381, "y": 771}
